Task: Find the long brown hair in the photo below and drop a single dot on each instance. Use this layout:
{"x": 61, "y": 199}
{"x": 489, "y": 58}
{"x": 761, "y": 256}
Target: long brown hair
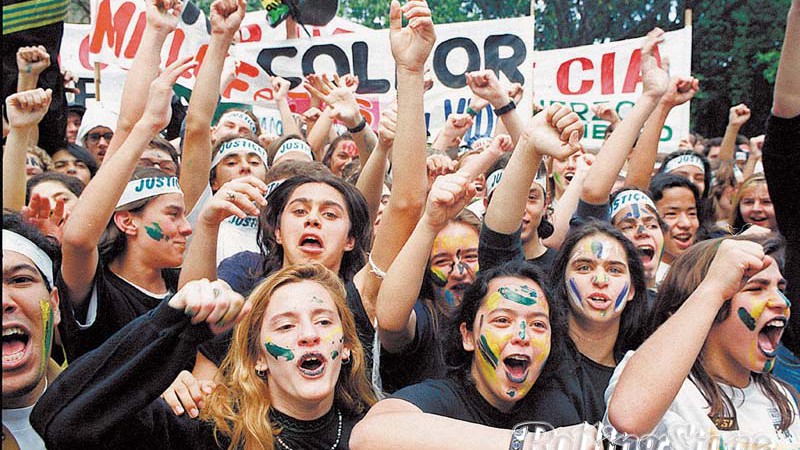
{"x": 685, "y": 275}
{"x": 239, "y": 406}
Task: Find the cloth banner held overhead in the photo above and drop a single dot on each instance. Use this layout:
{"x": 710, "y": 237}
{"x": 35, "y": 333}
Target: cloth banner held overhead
{"x": 610, "y": 73}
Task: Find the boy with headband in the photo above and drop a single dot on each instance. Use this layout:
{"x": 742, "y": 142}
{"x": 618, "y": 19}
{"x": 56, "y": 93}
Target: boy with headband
{"x": 30, "y": 314}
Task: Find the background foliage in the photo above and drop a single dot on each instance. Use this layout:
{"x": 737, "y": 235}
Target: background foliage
{"x": 735, "y": 48}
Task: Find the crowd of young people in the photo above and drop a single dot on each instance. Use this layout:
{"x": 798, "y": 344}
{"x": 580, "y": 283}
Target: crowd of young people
{"x": 344, "y": 287}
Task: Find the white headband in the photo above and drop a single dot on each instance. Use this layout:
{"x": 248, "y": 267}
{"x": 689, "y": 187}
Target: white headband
{"x": 685, "y": 160}
{"x": 239, "y": 144}
{"x": 293, "y": 145}
{"x": 541, "y": 181}
{"x": 272, "y": 186}
{"x": 148, "y": 187}
{"x": 243, "y": 117}
{"x": 628, "y": 198}
{"x": 492, "y": 181}
{"x": 16, "y": 243}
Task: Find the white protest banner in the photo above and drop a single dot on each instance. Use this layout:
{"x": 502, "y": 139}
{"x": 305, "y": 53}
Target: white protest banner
{"x": 610, "y": 73}
{"x": 504, "y": 46}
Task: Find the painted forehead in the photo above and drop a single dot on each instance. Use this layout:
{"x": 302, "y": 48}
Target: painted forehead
{"x": 519, "y": 292}
{"x": 599, "y": 246}
{"x": 635, "y": 211}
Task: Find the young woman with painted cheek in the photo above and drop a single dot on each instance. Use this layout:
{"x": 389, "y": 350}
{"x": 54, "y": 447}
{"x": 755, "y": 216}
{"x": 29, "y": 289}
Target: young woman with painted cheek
{"x": 294, "y": 376}
{"x": 511, "y": 340}
{"x": 724, "y": 297}
{"x": 454, "y": 261}
{"x": 598, "y": 281}
{"x": 753, "y": 205}
{"x": 342, "y": 152}
{"x": 165, "y": 230}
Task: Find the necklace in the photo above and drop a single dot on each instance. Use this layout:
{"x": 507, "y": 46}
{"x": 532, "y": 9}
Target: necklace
{"x": 335, "y": 444}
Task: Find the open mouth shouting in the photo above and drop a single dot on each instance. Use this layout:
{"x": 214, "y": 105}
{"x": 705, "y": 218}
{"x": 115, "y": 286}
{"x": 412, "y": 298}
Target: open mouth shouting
{"x": 646, "y": 253}
{"x": 517, "y": 367}
{"x": 768, "y": 337}
{"x": 312, "y": 365}
{"x": 311, "y": 243}
{"x": 15, "y": 346}
{"x": 598, "y": 301}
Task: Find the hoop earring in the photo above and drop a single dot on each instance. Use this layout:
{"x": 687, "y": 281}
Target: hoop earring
{"x": 346, "y": 361}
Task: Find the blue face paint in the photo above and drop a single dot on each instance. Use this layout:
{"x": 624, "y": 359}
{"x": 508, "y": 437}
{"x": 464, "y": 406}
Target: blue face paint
{"x": 575, "y": 293}
{"x": 619, "y": 304}
{"x": 635, "y": 210}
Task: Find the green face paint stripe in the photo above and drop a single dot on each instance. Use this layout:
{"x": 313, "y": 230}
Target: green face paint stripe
{"x": 486, "y": 351}
{"x": 155, "y": 232}
{"x": 526, "y": 300}
{"x": 439, "y": 278}
{"x": 511, "y": 393}
{"x": 522, "y": 330}
{"x": 47, "y": 327}
{"x": 785, "y": 298}
{"x": 768, "y": 366}
{"x": 334, "y": 354}
{"x": 748, "y": 320}
{"x": 279, "y": 352}
{"x": 557, "y": 177}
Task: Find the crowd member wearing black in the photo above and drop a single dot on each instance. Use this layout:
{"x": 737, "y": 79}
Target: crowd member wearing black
{"x": 781, "y": 156}
{"x": 504, "y": 333}
{"x": 30, "y": 316}
{"x": 123, "y": 236}
{"x": 294, "y": 377}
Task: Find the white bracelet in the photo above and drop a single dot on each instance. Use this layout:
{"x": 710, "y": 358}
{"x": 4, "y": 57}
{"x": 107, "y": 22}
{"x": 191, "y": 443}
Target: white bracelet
{"x": 374, "y": 268}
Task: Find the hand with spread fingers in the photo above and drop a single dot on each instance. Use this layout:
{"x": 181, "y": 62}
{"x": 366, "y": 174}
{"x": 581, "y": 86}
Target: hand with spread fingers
{"x": 187, "y": 394}
{"x": 655, "y": 79}
{"x": 411, "y": 45}
{"x": 240, "y": 197}
{"x": 339, "y": 95}
{"x": 158, "y": 111}
{"x": 211, "y": 302}
{"x": 48, "y": 219}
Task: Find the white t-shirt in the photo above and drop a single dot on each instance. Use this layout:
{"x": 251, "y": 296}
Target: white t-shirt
{"x": 18, "y": 424}
{"x": 235, "y": 235}
{"x": 686, "y": 424}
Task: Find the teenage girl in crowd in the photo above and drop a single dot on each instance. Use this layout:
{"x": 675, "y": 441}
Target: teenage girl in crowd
{"x": 294, "y": 377}
{"x": 725, "y": 299}
{"x": 752, "y": 205}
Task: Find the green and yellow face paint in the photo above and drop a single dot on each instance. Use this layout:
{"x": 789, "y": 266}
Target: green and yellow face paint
{"x": 47, "y": 333}
{"x": 278, "y": 352}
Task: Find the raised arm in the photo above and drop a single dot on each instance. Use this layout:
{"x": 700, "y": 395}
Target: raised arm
{"x": 484, "y": 84}
{"x": 225, "y": 16}
{"x": 280, "y": 89}
{"x": 645, "y": 153}
{"x": 162, "y": 18}
{"x": 96, "y": 205}
{"x": 568, "y": 203}
{"x": 556, "y": 132}
{"x": 658, "y": 368}
{"x": 786, "y": 100}
{"x": 411, "y": 46}
{"x": 239, "y": 197}
{"x": 737, "y": 116}
{"x": 31, "y": 62}
{"x": 452, "y": 132}
{"x": 615, "y": 150}
{"x": 373, "y": 173}
{"x": 25, "y": 110}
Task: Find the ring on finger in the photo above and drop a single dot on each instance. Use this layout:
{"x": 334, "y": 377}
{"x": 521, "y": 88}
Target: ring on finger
{"x": 231, "y": 196}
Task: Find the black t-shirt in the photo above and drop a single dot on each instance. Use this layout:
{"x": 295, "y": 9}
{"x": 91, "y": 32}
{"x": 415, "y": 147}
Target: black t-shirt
{"x": 496, "y": 248}
{"x": 420, "y": 360}
{"x": 456, "y": 398}
{"x": 572, "y": 393}
{"x": 320, "y": 434}
{"x": 118, "y": 303}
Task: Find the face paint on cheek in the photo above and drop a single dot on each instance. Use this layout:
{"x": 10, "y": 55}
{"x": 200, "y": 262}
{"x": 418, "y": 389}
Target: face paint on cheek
{"x": 559, "y": 181}
{"x": 439, "y": 277}
{"x": 47, "y": 331}
{"x": 574, "y": 293}
{"x": 619, "y": 304}
{"x": 489, "y": 355}
{"x": 279, "y": 352}
{"x": 785, "y": 298}
{"x": 768, "y": 366}
{"x": 746, "y": 318}
{"x": 524, "y": 295}
{"x": 334, "y": 354}
{"x": 155, "y": 232}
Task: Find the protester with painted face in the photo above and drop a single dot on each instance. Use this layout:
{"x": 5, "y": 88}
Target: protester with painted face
{"x": 294, "y": 377}
{"x": 505, "y": 334}
{"x": 341, "y": 151}
{"x": 123, "y": 237}
{"x": 725, "y": 300}
{"x": 30, "y": 315}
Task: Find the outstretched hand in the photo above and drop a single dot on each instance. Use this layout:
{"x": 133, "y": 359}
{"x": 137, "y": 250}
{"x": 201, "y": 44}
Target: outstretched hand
{"x": 158, "y": 111}
{"x": 212, "y": 302}
{"x": 49, "y": 221}
{"x": 412, "y": 44}
{"x": 655, "y": 79}
{"x": 338, "y": 94}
